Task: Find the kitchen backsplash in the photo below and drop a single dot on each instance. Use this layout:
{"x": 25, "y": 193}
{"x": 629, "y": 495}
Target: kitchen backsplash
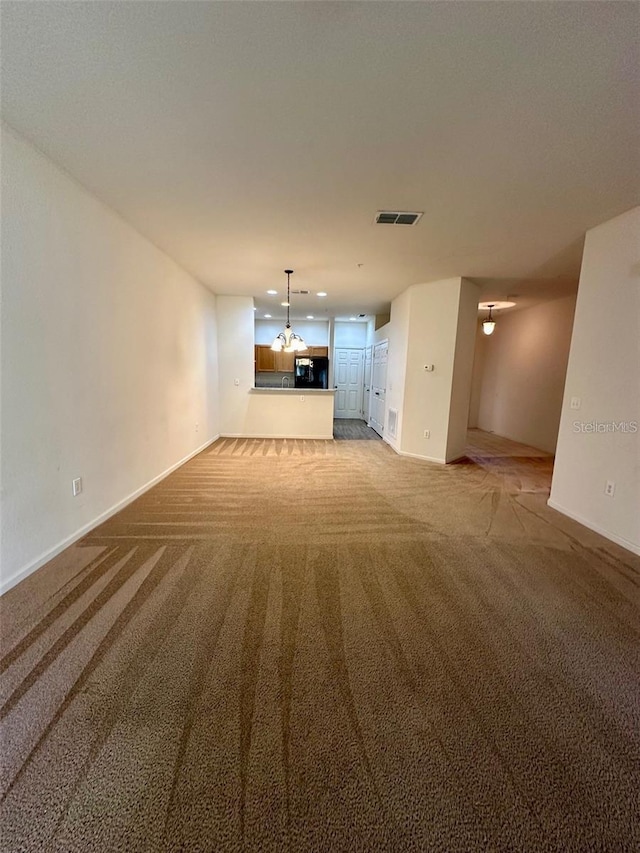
{"x": 274, "y": 380}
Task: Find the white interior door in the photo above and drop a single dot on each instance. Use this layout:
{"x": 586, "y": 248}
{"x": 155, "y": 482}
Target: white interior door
{"x": 347, "y": 377}
{"x": 378, "y": 387}
{"x": 366, "y": 390}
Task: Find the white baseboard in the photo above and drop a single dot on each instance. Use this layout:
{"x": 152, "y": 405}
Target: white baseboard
{"x": 619, "y": 540}
{"x": 419, "y": 456}
{"x": 415, "y": 455}
{"x": 31, "y": 567}
{"x": 265, "y": 435}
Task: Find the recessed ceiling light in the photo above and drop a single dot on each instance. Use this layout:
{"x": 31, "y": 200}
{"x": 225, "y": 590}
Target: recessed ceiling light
{"x": 272, "y": 292}
{"x": 254, "y": 308}
{"x": 321, "y": 293}
{"x": 267, "y": 316}
{"x": 284, "y": 304}
{"x": 309, "y": 316}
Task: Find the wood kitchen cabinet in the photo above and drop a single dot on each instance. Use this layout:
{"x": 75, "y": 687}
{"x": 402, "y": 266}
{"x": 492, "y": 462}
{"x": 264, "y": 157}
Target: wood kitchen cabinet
{"x": 285, "y": 362}
{"x": 265, "y": 359}
{"x": 269, "y": 361}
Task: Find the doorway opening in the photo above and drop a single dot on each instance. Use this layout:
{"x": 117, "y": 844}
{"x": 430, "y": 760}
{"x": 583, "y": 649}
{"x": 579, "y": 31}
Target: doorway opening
{"x": 353, "y": 429}
{"x": 517, "y": 391}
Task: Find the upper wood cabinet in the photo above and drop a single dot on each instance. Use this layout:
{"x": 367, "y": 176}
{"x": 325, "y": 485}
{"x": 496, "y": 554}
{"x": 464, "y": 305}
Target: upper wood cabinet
{"x": 285, "y": 362}
{"x": 265, "y": 359}
{"x": 269, "y": 361}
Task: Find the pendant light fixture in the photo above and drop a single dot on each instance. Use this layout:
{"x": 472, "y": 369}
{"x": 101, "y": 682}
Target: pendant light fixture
{"x": 288, "y": 341}
{"x": 489, "y": 324}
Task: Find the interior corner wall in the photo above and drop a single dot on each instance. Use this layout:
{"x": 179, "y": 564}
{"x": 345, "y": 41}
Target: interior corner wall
{"x": 518, "y": 393}
{"x": 380, "y": 335}
{"x": 462, "y": 370}
{"x": 236, "y": 353}
{"x": 109, "y": 361}
{"x": 479, "y": 355}
{"x": 599, "y": 442}
{"x": 397, "y": 334}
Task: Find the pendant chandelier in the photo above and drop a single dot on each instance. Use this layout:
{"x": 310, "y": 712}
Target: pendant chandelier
{"x": 288, "y": 341}
{"x": 489, "y": 324}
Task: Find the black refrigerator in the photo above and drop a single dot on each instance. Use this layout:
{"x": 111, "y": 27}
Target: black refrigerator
{"x": 311, "y": 372}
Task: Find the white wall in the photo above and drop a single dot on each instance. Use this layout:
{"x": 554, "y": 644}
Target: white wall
{"x": 379, "y": 335}
{"x": 604, "y": 373}
{"x": 108, "y": 360}
{"x": 236, "y": 360}
{"x": 274, "y": 414}
{"x": 476, "y": 378}
{"x": 397, "y": 333}
{"x": 315, "y": 333}
{"x": 462, "y": 371}
{"x": 432, "y": 323}
{"x": 349, "y": 335}
{"x": 524, "y": 364}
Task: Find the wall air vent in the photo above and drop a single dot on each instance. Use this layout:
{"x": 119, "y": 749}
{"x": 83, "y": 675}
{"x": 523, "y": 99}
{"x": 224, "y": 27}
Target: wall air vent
{"x": 396, "y": 217}
{"x": 393, "y": 422}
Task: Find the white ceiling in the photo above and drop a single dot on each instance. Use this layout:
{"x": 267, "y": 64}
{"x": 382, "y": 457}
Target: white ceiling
{"x": 243, "y": 138}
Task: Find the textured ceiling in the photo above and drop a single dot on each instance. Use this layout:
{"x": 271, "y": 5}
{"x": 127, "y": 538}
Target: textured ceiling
{"x": 243, "y": 138}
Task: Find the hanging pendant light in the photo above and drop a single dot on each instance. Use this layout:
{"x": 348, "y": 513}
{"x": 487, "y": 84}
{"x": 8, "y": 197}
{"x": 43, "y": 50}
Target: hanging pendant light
{"x": 489, "y": 324}
{"x": 288, "y": 341}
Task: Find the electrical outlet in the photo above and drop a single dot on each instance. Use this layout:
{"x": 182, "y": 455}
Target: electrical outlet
{"x": 197, "y": 426}
{"x": 236, "y": 381}
{"x": 427, "y": 433}
{"x": 575, "y": 402}
{"x": 610, "y": 489}
{"x": 302, "y": 399}
{"x": 76, "y": 486}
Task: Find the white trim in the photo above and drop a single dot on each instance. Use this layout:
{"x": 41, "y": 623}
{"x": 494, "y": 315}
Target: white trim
{"x": 416, "y": 455}
{"x": 619, "y": 540}
{"x": 300, "y": 391}
{"x": 266, "y": 435}
{"x": 21, "y": 574}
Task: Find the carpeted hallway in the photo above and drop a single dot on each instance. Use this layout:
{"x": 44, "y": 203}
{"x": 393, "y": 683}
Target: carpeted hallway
{"x": 323, "y": 646}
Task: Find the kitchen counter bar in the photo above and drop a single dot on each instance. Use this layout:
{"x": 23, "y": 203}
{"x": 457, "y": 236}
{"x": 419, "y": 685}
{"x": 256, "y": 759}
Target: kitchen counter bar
{"x": 284, "y": 413}
{"x": 301, "y": 391}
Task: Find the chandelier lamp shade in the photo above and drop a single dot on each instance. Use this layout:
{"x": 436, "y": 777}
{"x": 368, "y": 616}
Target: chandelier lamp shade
{"x": 489, "y": 324}
{"x": 288, "y": 341}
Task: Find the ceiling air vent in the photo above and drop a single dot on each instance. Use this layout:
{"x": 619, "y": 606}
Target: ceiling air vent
{"x": 301, "y": 292}
{"x": 396, "y": 217}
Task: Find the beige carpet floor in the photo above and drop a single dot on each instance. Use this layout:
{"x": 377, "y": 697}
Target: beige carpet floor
{"x": 323, "y": 646}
